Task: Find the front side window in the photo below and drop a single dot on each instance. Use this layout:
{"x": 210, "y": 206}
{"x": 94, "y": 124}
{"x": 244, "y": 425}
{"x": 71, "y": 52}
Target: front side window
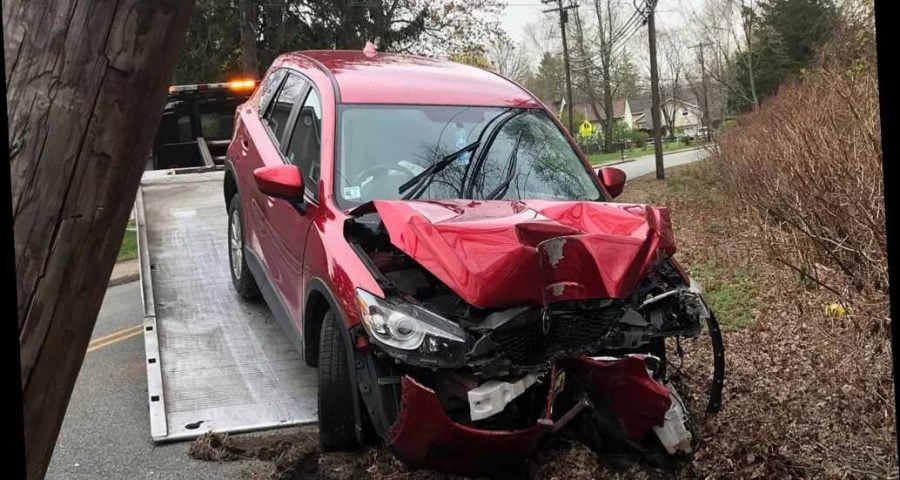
{"x": 305, "y": 146}
{"x": 383, "y": 149}
{"x": 278, "y": 113}
{"x": 268, "y": 88}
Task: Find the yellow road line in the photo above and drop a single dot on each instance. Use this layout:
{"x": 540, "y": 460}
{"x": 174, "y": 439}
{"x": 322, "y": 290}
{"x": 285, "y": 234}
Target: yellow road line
{"x": 118, "y": 336}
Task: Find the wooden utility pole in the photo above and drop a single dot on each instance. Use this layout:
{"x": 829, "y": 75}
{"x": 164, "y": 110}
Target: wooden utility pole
{"x": 563, "y": 19}
{"x": 86, "y": 84}
{"x": 707, "y": 120}
{"x": 654, "y": 91}
{"x": 14, "y": 430}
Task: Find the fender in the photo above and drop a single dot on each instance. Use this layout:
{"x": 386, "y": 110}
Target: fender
{"x": 230, "y": 172}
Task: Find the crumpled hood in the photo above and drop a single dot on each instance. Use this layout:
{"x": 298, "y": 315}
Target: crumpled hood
{"x": 501, "y": 253}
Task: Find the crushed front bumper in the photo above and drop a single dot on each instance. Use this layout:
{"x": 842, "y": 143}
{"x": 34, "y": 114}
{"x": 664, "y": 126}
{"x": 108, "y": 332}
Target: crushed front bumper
{"x": 632, "y": 402}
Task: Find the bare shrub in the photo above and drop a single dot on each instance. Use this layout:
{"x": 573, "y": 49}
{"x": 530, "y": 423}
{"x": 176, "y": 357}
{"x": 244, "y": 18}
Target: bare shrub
{"x": 808, "y": 165}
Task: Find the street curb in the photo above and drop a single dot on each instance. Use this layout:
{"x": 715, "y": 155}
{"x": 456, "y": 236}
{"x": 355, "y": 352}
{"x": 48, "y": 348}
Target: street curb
{"x": 124, "y": 272}
{"x": 616, "y": 163}
{"x": 123, "y": 279}
{"x": 633, "y": 159}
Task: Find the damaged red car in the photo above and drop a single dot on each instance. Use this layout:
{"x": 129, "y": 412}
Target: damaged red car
{"x": 434, "y": 242}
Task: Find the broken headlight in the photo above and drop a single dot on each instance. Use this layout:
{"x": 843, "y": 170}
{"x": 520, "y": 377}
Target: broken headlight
{"x": 411, "y": 333}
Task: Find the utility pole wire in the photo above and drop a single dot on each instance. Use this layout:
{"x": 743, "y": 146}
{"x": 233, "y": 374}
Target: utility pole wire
{"x": 618, "y": 39}
{"x": 563, "y": 19}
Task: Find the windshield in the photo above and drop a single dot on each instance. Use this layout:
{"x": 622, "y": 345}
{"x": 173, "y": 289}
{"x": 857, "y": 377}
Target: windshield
{"x": 523, "y": 155}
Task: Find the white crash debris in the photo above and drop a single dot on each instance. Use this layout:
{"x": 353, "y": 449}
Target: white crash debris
{"x": 491, "y": 397}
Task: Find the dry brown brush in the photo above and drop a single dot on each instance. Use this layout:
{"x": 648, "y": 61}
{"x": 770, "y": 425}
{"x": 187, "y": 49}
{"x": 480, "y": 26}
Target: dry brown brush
{"x": 807, "y": 165}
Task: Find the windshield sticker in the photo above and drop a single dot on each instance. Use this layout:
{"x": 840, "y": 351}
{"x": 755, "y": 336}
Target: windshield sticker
{"x": 352, "y": 193}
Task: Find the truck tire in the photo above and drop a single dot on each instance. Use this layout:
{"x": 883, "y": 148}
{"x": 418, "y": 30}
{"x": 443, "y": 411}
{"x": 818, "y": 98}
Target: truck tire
{"x": 337, "y": 422}
{"x": 241, "y": 277}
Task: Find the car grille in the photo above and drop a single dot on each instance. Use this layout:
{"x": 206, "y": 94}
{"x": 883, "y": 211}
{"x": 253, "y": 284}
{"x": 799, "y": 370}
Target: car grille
{"x": 525, "y": 343}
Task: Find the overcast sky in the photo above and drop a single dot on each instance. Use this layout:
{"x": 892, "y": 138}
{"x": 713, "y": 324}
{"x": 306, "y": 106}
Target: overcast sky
{"x": 520, "y": 15}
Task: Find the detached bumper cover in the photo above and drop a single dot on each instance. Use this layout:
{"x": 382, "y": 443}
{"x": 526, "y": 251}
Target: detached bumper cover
{"x": 424, "y": 435}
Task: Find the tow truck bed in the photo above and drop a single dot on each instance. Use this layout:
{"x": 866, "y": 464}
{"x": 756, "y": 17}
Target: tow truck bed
{"x": 215, "y": 362}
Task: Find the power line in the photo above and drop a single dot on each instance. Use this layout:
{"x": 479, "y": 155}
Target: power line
{"x": 623, "y": 34}
{"x": 563, "y": 19}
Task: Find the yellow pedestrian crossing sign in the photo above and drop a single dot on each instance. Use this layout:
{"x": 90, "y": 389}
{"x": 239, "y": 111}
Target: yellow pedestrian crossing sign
{"x": 586, "y": 129}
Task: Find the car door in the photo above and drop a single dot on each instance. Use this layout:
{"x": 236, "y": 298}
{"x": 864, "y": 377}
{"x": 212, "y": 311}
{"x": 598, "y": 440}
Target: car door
{"x": 265, "y": 146}
{"x": 303, "y": 149}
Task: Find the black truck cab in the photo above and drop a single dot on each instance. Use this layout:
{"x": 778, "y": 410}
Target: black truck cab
{"x": 197, "y": 124}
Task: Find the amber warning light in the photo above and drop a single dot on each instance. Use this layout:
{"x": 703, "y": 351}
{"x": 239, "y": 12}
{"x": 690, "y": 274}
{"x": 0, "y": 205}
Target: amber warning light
{"x": 239, "y": 85}
{"x": 242, "y": 84}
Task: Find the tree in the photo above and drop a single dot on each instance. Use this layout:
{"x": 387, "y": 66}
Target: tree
{"x": 509, "y": 59}
{"x": 726, "y": 29}
{"x": 603, "y": 68}
{"x": 249, "y": 32}
{"x": 223, "y": 34}
{"x": 549, "y": 81}
{"x": 674, "y": 67}
{"x": 83, "y": 109}
{"x": 212, "y": 44}
{"x": 753, "y": 47}
{"x": 790, "y": 32}
{"x": 475, "y": 59}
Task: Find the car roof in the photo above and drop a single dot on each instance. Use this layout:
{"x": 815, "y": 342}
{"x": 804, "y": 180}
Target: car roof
{"x": 385, "y": 78}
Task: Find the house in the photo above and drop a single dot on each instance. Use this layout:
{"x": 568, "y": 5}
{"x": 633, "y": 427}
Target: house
{"x": 686, "y": 111}
{"x": 622, "y": 111}
{"x": 635, "y": 113}
{"x": 685, "y": 117}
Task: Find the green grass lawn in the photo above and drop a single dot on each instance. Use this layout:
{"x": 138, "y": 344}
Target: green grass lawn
{"x": 668, "y": 147}
{"x": 730, "y": 292}
{"x": 128, "y": 250}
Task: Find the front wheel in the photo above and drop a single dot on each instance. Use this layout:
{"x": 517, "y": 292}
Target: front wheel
{"x": 241, "y": 277}
{"x": 337, "y": 421}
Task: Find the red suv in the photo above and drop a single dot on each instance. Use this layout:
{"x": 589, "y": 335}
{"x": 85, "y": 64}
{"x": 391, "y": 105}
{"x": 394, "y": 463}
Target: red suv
{"x": 435, "y": 243}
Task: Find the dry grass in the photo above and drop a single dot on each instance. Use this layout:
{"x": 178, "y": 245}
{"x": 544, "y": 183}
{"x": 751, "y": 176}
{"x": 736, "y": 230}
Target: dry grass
{"x": 807, "y": 394}
{"x": 807, "y": 165}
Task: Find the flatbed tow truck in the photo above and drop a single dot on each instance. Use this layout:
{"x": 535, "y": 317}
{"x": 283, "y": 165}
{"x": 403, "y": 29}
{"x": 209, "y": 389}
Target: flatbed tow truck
{"x": 215, "y": 362}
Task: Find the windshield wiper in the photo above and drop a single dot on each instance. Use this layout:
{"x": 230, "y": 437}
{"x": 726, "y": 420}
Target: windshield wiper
{"x": 512, "y": 161}
{"x": 423, "y": 179}
{"x": 429, "y": 173}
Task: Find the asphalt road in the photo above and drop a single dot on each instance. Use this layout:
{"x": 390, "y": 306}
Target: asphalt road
{"x": 647, "y": 164}
{"x": 106, "y": 432}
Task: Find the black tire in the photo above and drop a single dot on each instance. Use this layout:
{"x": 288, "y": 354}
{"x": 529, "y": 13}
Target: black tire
{"x": 337, "y": 422}
{"x": 241, "y": 277}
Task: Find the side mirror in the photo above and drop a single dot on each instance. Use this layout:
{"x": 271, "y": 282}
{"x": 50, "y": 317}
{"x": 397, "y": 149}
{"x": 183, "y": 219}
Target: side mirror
{"x": 280, "y": 181}
{"x": 613, "y": 180}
